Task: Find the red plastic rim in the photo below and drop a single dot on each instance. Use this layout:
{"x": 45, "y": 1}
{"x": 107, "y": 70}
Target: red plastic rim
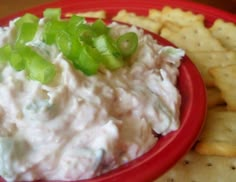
{"x": 171, "y": 148}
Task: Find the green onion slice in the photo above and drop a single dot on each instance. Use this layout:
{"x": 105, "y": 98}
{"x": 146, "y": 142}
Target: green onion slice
{"x": 17, "y": 61}
{"x": 86, "y": 45}
{"x": 5, "y": 53}
{"x": 100, "y": 27}
{"x": 88, "y": 61}
{"x": 111, "y": 57}
{"x": 39, "y": 69}
{"x": 86, "y": 33}
{"x": 52, "y": 13}
{"x": 26, "y": 33}
{"x": 74, "y": 23}
{"x": 27, "y": 18}
{"x": 127, "y": 43}
{"x": 51, "y": 29}
{"x": 68, "y": 45}
{"x": 64, "y": 42}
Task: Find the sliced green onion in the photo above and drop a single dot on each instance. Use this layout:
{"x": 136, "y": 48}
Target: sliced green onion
{"x": 86, "y": 46}
{"x": 5, "y": 53}
{"x": 127, "y": 43}
{"x": 39, "y": 69}
{"x": 64, "y": 42}
{"x": 52, "y": 13}
{"x": 68, "y": 45}
{"x": 17, "y": 61}
{"x": 26, "y": 33}
{"x": 100, "y": 27}
{"x": 27, "y": 18}
{"x": 86, "y": 33}
{"x": 51, "y": 29}
{"x": 111, "y": 56}
{"x": 74, "y": 23}
{"x": 88, "y": 61}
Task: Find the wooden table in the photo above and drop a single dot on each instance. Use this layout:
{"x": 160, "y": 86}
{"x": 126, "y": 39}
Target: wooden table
{"x": 9, "y": 6}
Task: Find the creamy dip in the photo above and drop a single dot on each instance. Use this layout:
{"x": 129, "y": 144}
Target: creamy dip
{"x": 79, "y": 126}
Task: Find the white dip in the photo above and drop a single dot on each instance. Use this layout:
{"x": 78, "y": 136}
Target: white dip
{"x": 81, "y": 126}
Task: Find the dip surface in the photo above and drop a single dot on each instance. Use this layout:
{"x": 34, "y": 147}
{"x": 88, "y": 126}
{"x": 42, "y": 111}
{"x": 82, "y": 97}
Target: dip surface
{"x": 79, "y": 126}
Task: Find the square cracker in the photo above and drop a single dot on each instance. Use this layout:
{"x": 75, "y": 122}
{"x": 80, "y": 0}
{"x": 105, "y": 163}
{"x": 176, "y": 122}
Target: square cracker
{"x": 180, "y": 17}
{"x": 218, "y": 136}
{"x": 205, "y": 60}
{"x": 225, "y": 32}
{"x": 194, "y": 167}
{"x": 214, "y": 97}
{"x": 225, "y": 80}
{"x": 140, "y": 21}
{"x": 193, "y": 38}
{"x": 155, "y": 14}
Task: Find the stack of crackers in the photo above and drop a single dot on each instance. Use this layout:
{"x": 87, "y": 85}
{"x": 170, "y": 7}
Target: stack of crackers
{"x": 213, "y": 50}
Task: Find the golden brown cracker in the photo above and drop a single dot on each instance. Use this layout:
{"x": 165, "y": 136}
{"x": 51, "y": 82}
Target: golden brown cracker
{"x": 214, "y": 97}
{"x": 218, "y": 136}
{"x": 173, "y": 27}
{"x": 194, "y": 167}
{"x": 140, "y": 21}
{"x": 225, "y": 80}
{"x": 225, "y": 32}
{"x": 216, "y": 148}
{"x": 155, "y": 14}
{"x": 180, "y": 17}
{"x": 204, "y": 60}
{"x": 193, "y": 38}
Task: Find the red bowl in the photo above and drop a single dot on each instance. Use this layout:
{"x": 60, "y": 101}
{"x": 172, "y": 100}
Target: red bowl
{"x": 170, "y": 148}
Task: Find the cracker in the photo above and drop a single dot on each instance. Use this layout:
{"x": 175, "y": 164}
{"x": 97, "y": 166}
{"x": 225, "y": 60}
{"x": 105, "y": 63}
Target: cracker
{"x": 219, "y": 134}
{"x": 225, "y": 80}
{"x": 214, "y": 97}
{"x": 205, "y": 60}
{"x": 193, "y": 38}
{"x": 101, "y": 14}
{"x": 194, "y": 167}
{"x": 155, "y": 14}
{"x": 140, "y": 21}
{"x": 225, "y": 32}
{"x": 180, "y": 17}
{"x": 216, "y": 148}
{"x": 173, "y": 27}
